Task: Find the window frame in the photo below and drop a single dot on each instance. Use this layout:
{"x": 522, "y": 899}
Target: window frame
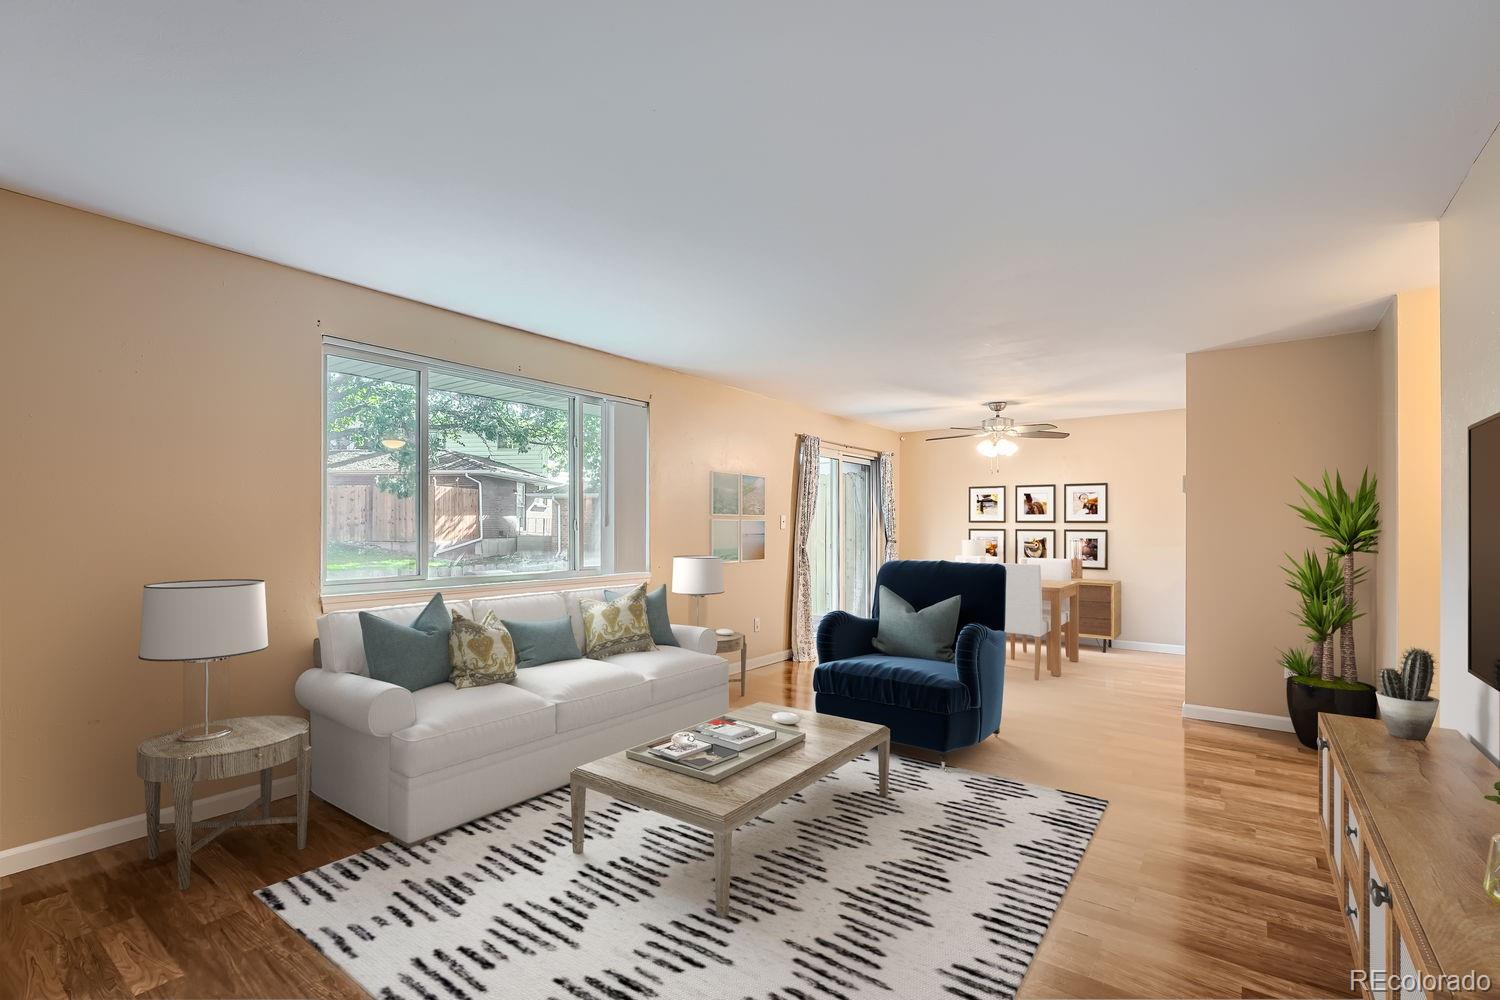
{"x": 576, "y": 399}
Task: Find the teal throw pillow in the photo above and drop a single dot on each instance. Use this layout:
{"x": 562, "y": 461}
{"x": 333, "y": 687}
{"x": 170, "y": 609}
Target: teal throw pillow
{"x": 926, "y": 635}
{"x": 656, "y": 614}
{"x": 539, "y": 642}
{"x": 414, "y": 656}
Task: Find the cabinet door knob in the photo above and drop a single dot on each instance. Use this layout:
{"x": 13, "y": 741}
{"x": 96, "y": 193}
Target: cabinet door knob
{"x": 1322, "y": 743}
{"x": 1351, "y": 831}
{"x": 1353, "y": 912}
{"x": 1380, "y": 895}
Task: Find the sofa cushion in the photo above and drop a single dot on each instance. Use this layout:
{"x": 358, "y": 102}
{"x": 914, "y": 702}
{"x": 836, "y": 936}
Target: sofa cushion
{"x": 480, "y": 653}
{"x": 454, "y": 726}
{"x": 586, "y": 692}
{"x": 520, "y": 607}
{"x": 674, "y": 672}
{"x": 542, "y": 642}
{"x": 902, "y": 681}
{"x": 619, "y": 625}
{"x": 341, "y": 644}
{"x": 656, "y": 611}
{"x": 414, "y": 656}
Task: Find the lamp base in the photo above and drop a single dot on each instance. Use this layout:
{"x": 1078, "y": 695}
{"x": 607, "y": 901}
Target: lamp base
{"x": 201, "y": 734}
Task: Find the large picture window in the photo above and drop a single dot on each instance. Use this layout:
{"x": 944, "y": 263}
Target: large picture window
{"x": 435, "y": 471}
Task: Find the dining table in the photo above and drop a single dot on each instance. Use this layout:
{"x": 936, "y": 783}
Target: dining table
{"x": 1054, "y": 592}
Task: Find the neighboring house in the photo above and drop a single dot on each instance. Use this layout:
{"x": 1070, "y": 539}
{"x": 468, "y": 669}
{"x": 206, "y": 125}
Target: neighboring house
{"x": 481, "y": 507}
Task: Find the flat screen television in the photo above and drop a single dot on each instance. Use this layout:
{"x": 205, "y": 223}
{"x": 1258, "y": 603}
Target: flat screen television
{"x": 1484, "y": 551}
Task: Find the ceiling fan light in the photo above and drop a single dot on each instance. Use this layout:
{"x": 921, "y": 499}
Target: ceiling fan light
{"x": 1005, "y": 447}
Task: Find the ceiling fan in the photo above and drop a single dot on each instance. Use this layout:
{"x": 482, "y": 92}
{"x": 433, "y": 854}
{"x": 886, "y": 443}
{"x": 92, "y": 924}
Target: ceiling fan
{"x": 999, "y": 433}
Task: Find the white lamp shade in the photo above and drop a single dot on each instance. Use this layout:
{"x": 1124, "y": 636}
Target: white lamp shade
{"x": 697, "y": 575}
{"x": 202, "y": 619}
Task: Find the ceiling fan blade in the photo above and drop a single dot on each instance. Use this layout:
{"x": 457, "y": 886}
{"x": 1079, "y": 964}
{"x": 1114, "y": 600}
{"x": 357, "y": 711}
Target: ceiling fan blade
{"x": 1036, "y": 427}
{"x": 1041, "y": 434}
{"x": 966, "y": 428}
{"x": 955, "y": 437}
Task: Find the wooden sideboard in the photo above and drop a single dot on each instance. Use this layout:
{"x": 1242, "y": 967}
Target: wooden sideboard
{"x": 1099, "y": 610}
{"x": 1407, "y": 830}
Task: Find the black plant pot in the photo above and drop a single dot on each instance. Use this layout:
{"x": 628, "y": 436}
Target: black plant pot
{"x": 1304, "y": 702}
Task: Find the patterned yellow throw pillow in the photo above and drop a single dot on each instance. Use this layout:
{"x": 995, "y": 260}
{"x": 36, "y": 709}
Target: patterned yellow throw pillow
{"x": 618, "y": 626}
{"x": 480, "y": 653}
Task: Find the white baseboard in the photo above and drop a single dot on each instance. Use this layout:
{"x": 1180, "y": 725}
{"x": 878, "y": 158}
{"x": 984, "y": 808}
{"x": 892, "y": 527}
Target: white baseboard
{"x": 1234, "y": 717}
{"x": 70, "y": 845}
{"x": 770, "y": 659}
{"x": 1151, "y": 647}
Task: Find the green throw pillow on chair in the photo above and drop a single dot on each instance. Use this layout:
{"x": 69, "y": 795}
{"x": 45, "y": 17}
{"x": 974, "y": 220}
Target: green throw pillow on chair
{"x": 925, "y": 635}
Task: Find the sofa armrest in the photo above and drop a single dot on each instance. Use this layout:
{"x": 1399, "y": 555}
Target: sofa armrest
{"x": 842, "y": 635}
{"x": 699, "y": 640}
{"x": 979, "y": 655}
{"x": 356, "y": 702}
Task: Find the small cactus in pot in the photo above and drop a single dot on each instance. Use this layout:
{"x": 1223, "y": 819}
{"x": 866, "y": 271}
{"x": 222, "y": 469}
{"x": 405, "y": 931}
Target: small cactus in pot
{"x": 1404, "y": 703}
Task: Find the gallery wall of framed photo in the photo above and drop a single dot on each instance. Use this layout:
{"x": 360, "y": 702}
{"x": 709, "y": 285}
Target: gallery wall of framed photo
{"x": 737, "y": 516}
{"x": 1113, "y": 489}
{"x": 1039, "y": 503}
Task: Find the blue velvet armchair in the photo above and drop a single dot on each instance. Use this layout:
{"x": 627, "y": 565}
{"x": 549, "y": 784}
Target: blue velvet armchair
{"x": 941, "y": 705}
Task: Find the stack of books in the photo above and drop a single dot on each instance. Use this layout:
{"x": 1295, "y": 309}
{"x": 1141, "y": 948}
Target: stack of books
{"x": 702, "y": 754}
{"x": 734, "y": 734}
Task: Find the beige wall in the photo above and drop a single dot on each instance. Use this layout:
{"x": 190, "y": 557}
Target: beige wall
{"x": 1256, "y": 418}
{"x": 1407, "y": 567}
{"x": 1469, "y": 243}
{"x": 162, "y": 409}
{"x": 1141, "y": 455}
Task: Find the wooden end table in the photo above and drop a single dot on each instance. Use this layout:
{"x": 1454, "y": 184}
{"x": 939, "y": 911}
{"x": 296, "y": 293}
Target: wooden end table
{"x": 828, "y": 742}
{"x": 728, "y": 644}
{"x": 255, "y": 743}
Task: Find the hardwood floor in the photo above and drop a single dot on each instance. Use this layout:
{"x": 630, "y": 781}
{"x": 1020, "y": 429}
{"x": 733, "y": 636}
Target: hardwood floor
{"x": 1205, "y": 878}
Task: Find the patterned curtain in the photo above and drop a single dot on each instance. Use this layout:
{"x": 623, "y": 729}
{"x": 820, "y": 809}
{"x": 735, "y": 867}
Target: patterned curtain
{"x": 886, "y": 467}
{"x": 809, "y": 450}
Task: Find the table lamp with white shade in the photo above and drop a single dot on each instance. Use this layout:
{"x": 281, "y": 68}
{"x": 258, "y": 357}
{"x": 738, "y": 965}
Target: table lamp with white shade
{"x": 697, "y": 576}
{"x": 202, "y": 621}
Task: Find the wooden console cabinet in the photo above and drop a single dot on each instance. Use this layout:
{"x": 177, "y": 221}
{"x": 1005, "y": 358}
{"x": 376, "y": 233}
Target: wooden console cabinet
{"x": 1099, "y": 610}
{"x": 1407, "y": 830}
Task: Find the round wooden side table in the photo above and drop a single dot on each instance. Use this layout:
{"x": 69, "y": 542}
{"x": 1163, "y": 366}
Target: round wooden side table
{"x": 255, "y": 743}
{"x": 730, "y": 643}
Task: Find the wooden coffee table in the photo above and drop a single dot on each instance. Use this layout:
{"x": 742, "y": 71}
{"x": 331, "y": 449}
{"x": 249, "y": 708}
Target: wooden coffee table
{"x": 719, "y": 808}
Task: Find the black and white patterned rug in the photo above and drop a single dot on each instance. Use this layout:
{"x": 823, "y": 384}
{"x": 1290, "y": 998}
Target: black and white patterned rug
{"x": 945, "y": 889}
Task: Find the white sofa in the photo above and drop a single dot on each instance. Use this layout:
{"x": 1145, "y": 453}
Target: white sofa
{"x": 416, "y": 763}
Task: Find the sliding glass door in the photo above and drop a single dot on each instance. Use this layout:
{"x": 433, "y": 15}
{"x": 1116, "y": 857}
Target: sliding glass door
{"x": 843, "y": 535}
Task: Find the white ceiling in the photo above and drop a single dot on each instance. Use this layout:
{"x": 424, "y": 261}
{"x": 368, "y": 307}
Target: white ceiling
{"x": 891, "y": 210}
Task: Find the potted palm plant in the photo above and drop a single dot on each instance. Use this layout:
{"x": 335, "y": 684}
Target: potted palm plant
{"x": 1351, "y": 524}
{"x": 1312, "y": 682}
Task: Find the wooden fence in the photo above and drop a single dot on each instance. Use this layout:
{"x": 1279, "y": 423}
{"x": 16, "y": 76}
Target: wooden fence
{"x": 361, "y": 514}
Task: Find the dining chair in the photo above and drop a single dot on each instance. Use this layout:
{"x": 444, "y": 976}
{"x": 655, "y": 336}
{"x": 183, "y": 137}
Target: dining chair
{"x": 1025, "y": 616}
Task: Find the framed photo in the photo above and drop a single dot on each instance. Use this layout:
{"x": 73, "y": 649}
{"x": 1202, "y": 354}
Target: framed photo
{"x": 986, "y": 503}
{"x": 752, "y": 540}
{"x": 753, "y": 496}
{"x": 1091, "y": 546}
{"x": 1036, "y": 503}
{"x": 724, "y": 493}
{"x": 1036, "y": 543}
{"x": 993, "y": 539}
{"x": 1086, "y": 502}
{"x": 724, "y": 538}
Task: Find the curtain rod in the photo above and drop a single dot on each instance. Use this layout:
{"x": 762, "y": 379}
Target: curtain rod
{"x": 851, "y": 447}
